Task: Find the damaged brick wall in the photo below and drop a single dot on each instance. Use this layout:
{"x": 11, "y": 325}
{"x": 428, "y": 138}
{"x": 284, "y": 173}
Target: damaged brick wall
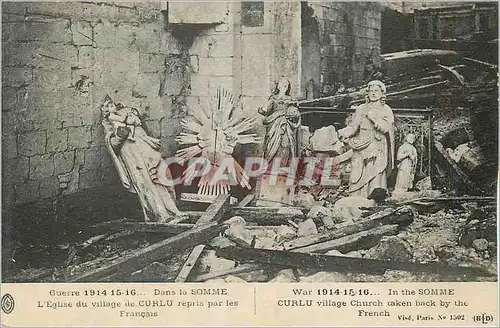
{"x": 346, "y": 33}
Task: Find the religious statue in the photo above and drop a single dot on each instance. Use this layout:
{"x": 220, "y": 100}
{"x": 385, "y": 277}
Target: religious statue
{"x": 134, "y": 154}
{"x": 371, "y": 138}
{"x": 407, "y": 163}
{"x": 282, "y": 122}
{"x": 282, "y": 142}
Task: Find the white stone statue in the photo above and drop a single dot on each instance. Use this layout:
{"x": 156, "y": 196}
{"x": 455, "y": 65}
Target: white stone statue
{"x": 407, "y": 163}
{"x": 370, "y": 135}
{"x": 134, "y": 154}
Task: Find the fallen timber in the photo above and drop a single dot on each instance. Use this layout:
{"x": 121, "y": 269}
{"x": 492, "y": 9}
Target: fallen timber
{"x": 269, "y": 215}
{"x": 213, "y": 213}
{"x": 361, "y": 240}
{"x": 452, "y": 199}
{"x": 401, "y": 216}
{"x": 340, "y": 263}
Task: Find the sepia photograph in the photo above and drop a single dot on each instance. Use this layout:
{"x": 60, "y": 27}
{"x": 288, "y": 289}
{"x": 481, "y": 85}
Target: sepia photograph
{"x": 249, "y": 141}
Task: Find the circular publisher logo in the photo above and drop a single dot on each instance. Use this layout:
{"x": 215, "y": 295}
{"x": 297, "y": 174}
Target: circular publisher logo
{"x": 7, "y": 303}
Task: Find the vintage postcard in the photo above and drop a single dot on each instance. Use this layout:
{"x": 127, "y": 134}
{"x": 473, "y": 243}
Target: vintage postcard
{"x": 249, "y": 163}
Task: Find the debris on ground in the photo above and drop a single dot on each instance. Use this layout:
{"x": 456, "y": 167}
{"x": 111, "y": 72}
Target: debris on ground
{"x": 421, "y": 236}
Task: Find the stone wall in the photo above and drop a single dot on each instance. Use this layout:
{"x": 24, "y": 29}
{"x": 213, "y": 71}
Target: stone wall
{"x": 345, "y": 33}
{"x": 59, "y": 61}
{"x": 256, "y": 43}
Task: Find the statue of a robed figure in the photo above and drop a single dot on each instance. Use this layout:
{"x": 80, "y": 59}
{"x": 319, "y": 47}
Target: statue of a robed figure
{"x": 134, "y": 155}
{"x": 371, "y": 137}
{"x": 281, "y": 143}
{"x": 282, "y": 123}
{"x": 407, "y": 164}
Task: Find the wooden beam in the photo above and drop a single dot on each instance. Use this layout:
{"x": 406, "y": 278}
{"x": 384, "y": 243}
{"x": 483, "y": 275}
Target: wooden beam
{"x": 340, "y": 263}
{"x": 267, "y": 215}
{"x": 360, "y": 240}
{"x": 402, "y": 216}
{"x": 117, "y": 225}
{"x": 481, "y": 199}
{"x": 190, "y": 263}
{"x": 213, "y": 214}
{"x": 246, "y": 200}
{"x": 162, "y": 250}
{"x": 215, "y": 210}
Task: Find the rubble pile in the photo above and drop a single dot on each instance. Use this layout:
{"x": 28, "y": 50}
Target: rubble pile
{"x": 408, "y": 238}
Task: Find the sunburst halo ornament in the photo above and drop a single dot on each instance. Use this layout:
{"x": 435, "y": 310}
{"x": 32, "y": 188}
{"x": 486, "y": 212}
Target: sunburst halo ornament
{"x": 211, "y": 134}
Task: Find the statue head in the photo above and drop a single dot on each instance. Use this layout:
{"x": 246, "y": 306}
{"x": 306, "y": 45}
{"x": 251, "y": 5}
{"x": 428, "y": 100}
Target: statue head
{"x": 376, "y": 91}
{"x": 282, "y": 86}
{"x": 410, "y": 138}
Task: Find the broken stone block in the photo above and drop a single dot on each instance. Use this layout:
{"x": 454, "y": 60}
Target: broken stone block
{"x": 334, "y": 252}
{"x": 211, "y": 263}
{"x": 307, "y": 228}
{"x": 424, "y": 184}
{"x": 424, "y": 255}
{"x": 234, "y": 279}
{"x": 390, "y": 248}
{"x": 326, "y": 140}
{"x": 155, "y": 272}
{"x": 351, "y": 207}
{"x": 457, "y": 153}
{"x": 318, "y": 212}
{"x": 480, "y": 244}
{"x": 220, "y": 242}
{"x": 285, "y": 233}
{"x": 254, "y": 276}
{"x": 326, "y": 277}
{"x": 401, "y": 195}
{"x": 286, "y": 275}
{"x": 304, "y": 199}
{"x": 323, "y": 213}
{"x": 263, "y": 239}
{"x": 215, "y": 281}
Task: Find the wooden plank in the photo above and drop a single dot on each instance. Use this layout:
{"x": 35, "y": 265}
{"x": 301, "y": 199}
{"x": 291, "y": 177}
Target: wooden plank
{"x": 158, "y": 228}
{"x": 117, "y": 225}
{"x": 361, "y": 240}
{"x": 213, "y": 214}
{"x": 402, "y": 216}
{"x": 215, "y": 210}
{"x": 341, "y": 263}
{"x": 190, "y": 263}
{"x": 481, "y": 199}
{"x": 246, "y": 200}
{"x": 162, "y": 250}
